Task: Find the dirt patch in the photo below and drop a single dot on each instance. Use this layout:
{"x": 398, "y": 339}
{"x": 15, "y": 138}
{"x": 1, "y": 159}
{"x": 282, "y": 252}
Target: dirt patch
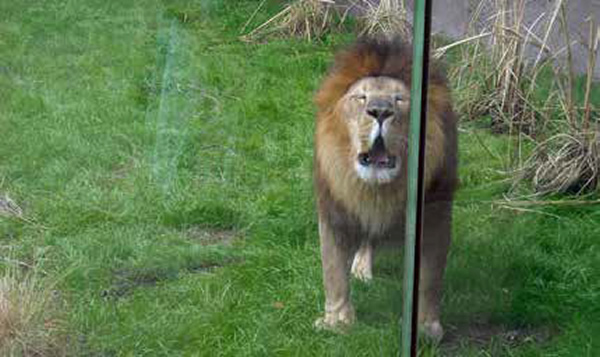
{"x": 126, "y": 280}
{"x": 206, "y": 236}
{"x": 482, "y": 334}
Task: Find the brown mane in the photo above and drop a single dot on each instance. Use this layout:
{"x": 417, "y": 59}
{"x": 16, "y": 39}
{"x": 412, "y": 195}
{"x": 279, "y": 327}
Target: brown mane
{"x": 371, "y": 57}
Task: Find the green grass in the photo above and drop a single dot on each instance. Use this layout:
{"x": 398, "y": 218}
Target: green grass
{"x": 136, "y": 134}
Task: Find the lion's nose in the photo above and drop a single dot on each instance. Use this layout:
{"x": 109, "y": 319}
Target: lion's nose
{"x": 380, "y": 109}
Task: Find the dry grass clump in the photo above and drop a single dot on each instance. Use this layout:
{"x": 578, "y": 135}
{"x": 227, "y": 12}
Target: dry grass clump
{"x": 29, "y": 324}
{"x": 565, "y": 163}
{"x": 9, "y": 208}
{"x": 310, "y": 19}
{"x": 388, "y": 18}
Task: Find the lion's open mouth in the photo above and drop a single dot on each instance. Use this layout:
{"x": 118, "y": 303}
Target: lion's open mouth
{"x": 377, "y": 156}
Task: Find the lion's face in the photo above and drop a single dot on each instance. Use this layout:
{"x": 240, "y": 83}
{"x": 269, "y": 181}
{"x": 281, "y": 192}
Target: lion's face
{"x": 376, "y": 112}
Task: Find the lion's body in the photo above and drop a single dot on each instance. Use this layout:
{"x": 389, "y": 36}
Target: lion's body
{"x": 362, "y": 201}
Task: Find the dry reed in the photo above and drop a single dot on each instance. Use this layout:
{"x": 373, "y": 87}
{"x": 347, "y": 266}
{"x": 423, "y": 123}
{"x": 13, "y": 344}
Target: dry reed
{"x": 496, "y": 79}
{"x": 309, "y": 19}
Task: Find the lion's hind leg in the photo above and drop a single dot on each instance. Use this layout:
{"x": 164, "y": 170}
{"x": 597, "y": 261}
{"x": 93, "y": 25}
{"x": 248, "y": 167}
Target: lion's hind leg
{"x": 436, "y": 242}
{"x": 362, "y": 265}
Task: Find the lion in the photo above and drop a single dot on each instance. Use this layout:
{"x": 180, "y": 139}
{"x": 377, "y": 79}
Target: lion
{"x": 360, "y": 164}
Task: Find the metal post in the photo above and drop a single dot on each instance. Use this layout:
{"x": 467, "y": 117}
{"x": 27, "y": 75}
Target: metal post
{"x": 415, "y": 189}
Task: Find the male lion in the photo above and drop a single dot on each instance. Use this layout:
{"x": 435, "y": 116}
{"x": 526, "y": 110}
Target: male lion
{"x": 360, "y": 173}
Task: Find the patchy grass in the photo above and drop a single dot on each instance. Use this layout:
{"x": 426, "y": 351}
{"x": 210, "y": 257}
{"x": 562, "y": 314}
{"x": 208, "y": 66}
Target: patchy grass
{"x": 132, "y": 131}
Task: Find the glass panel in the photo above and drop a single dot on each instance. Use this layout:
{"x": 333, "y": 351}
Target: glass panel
{"x": 521, "y": 262}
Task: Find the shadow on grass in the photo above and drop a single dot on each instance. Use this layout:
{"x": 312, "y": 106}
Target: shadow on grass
{"x": 151, "y": 273}
{"x": 489, "y": 335}
{"x": 126, "y": 280}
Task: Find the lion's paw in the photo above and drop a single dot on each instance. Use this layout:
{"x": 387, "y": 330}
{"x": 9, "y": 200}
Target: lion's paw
{"x": 336, "y": 321}
{"x": 432, "y": 331}
{"x": 362, "y": 264}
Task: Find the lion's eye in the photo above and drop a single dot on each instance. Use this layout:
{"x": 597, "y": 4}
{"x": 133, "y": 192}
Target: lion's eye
{"x": 361, "y": 98}
{"x": 399, "y": 98}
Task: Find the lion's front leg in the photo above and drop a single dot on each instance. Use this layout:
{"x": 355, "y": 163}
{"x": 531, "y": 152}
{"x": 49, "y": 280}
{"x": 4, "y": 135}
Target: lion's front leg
{"x": 335, "y": 258}
{"x": 436, "y": 242}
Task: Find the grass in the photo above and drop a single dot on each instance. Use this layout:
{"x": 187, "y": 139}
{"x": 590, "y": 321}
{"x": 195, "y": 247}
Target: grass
{"x": 163, "y": 168}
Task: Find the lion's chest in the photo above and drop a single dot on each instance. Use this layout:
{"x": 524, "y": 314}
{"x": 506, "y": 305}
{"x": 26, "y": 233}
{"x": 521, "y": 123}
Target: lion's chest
{"x": 377, "y": 211}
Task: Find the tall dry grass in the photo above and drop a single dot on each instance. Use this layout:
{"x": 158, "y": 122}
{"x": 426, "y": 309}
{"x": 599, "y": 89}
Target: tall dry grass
{"x": 498, "y": 77}
{"x": 30, "y": 310}
{"x": 569, "y": 161}
{"x": 386, "y": 17}
{"x": 492, "y": 76}
{"x": 310, "y": 19}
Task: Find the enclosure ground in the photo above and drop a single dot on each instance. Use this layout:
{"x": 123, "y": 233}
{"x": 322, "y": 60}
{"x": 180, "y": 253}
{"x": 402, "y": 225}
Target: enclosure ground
{"x": 163, "y": 171}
